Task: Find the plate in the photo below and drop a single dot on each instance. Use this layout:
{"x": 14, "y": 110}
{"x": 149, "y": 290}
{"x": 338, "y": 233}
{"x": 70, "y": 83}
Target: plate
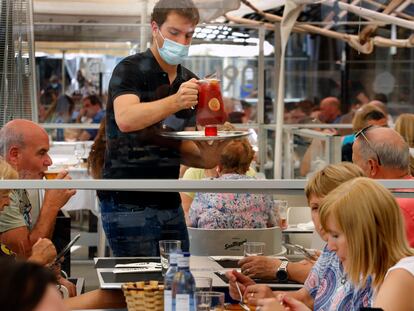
{"x": 199, "y": 135}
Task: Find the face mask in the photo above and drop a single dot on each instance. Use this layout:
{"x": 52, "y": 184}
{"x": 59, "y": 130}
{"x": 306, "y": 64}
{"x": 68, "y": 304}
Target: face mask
{"x": 172, "y": 53}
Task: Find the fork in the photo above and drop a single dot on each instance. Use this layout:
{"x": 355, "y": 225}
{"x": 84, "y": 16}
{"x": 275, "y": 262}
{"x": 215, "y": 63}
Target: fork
{"x": 241, "y": 303}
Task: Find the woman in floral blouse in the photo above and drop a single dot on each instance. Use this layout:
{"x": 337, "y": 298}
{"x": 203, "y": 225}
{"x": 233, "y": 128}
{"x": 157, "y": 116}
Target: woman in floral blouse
{"x": 233, "y": 210}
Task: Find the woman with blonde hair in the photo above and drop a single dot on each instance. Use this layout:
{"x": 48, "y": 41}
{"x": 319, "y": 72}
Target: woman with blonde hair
{"x": 324, "y": 287}
{"x": 405, "y": 126}
{"x": 370, "y": 241}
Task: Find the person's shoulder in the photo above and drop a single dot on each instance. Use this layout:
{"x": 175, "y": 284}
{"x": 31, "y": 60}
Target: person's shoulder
{"x": 194, "y": 173}
{"x": 188, "y": 74}
{"x": 328, "y": 258}
{"x": 143, "y": 61}
{"x": 405, "y": 264}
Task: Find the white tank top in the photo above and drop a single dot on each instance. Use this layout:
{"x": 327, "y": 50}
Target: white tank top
{"x": 406, "y": 263}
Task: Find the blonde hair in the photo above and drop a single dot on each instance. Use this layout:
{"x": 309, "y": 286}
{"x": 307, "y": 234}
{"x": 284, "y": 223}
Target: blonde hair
{"x": 7, "y": 172}
{"x": 364, "y": 114}
{"x": 371, "y": 221}
{"x": 331, "y": 176}
{"x": 405, "y": 126}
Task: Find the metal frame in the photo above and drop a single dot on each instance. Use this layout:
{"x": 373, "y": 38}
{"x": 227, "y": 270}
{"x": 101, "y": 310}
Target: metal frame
{"x": 276, "y": 186}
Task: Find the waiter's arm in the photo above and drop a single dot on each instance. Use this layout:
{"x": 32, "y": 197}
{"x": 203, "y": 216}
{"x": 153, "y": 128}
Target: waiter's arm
{"x": 201, "y": 154}
{"x": 132, "y": 115}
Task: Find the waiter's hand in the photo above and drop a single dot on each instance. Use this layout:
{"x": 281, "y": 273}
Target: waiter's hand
{"x": 187, "y": 95}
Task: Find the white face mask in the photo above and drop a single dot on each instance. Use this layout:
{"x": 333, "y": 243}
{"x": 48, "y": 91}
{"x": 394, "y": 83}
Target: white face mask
{"x": 412, "y": 152}
{"x": 172, "y": 52}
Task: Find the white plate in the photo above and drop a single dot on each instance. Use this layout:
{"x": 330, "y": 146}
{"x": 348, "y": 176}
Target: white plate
{"x": 199, "y": 135}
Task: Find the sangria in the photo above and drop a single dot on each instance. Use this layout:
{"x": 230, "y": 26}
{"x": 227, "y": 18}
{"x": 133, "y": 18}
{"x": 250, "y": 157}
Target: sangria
{"x": 210, "y": 108}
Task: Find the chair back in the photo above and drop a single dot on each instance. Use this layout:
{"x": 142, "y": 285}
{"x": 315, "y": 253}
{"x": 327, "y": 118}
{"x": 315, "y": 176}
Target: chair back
{"x": 298, "y": 214}
{"x": 229, "y": 242}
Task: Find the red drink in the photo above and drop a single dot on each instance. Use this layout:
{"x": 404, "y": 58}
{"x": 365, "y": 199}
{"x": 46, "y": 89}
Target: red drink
{"x": 210, "y": 130}
{"x": 210, "y": 108}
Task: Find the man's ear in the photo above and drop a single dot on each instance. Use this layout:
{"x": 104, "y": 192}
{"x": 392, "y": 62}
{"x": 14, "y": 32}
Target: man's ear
{"x": 154, "y": 28}
{"x": 373, "y": 168}
{"x": 13, "y": 156}
{"x": 219, "y": 168}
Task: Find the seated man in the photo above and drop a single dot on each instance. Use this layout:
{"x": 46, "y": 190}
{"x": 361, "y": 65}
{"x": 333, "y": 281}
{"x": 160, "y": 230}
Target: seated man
{"x": 93, "y": 113}
{"x": 24, "y": 146}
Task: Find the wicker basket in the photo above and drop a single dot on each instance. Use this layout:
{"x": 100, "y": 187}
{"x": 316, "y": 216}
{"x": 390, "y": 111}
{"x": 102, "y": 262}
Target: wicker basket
{"x": 141, "y": 296}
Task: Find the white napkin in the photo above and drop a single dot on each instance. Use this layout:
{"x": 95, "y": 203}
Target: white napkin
{"x": 306, "y": 226}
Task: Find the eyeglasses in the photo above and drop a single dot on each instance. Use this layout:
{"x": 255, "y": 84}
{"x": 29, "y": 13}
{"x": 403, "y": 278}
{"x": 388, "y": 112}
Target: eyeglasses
{"x": 362, "y": 133}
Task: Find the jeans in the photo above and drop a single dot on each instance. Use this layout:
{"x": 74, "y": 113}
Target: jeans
{"x": 135, "y": 231}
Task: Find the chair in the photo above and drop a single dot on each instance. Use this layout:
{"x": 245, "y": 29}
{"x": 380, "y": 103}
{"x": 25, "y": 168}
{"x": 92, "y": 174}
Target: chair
{"x": 297, "y": 215}
{"x": 229, "y": 242}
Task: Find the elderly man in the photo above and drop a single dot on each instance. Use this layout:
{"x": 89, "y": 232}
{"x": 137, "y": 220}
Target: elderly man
{"x": 383, "y": 154}
{"x": 330, "y": 110}
{"x": 24, "y": 145}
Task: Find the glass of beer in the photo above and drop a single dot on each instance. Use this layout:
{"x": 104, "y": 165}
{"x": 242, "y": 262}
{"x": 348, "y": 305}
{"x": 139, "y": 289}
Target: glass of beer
{"x": 280, "y": 208}
{"x": 52, "y": 173}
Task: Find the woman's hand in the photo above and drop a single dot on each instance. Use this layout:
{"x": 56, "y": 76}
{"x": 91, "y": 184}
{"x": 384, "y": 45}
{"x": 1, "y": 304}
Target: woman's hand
{"x": 269, "y": 304}
{"x": 255, "y": 292}
{"x": 282, "y": 302}
{"x": 244, "y": 282}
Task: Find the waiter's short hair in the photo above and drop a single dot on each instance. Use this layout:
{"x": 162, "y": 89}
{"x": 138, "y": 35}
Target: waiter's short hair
{"x": 185, "y": 8}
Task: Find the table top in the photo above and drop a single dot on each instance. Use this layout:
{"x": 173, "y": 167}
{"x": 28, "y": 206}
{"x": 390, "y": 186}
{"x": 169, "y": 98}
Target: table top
{"x": 295, "y": 229}
{"x": 199, "y": 265}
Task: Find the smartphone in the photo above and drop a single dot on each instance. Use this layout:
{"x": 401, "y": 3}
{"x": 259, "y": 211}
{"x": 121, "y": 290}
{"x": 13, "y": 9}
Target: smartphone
{"x": 66, "y": 249}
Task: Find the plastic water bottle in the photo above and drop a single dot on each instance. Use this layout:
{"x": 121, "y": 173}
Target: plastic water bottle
{"x": 168, "y": 281}
{"x": 183, "y": 288}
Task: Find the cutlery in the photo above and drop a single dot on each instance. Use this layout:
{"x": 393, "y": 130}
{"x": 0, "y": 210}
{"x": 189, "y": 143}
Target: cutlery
{"x": 241, "y": 303}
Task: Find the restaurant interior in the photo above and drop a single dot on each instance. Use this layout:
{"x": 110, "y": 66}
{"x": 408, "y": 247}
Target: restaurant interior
{"x": 292, "y": 89}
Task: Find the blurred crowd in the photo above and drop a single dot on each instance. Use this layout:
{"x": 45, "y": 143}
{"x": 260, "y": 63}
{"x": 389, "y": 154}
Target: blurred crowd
{"x": 79, "y": 104}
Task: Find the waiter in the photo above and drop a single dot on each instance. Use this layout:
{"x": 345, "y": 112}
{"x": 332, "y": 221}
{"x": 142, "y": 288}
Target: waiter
{"x": 151, "y": 92}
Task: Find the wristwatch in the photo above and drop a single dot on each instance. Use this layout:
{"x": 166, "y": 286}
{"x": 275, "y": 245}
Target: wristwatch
{"x": 281, "y": 273}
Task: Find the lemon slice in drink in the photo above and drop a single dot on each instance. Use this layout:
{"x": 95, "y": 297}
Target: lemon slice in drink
{"x": 214, "y": 104}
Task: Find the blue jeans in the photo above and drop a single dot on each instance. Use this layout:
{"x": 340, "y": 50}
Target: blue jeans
{"x": 135, "y": 231}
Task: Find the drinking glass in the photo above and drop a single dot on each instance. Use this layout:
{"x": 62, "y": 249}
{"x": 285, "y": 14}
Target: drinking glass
{"x": 280, "y": 208}
{"x": 254, "y": 249}
{"x": 203, "y": 284}
{"x": 166, "y": 248}
{"x": 209, "y": 301}
{"x": 80, "y": 151}
{"x": 52, "y": 172}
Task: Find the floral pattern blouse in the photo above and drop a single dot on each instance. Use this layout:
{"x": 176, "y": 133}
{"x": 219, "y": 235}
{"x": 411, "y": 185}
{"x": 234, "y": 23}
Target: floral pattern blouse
{"x": 232, "y": 210}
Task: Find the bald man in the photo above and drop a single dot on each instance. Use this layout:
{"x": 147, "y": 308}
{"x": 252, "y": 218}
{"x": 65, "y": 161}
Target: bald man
{"x": 330, "y": 110}
{"x": 382, "y": 153}
{"x": 25, "y": 145}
